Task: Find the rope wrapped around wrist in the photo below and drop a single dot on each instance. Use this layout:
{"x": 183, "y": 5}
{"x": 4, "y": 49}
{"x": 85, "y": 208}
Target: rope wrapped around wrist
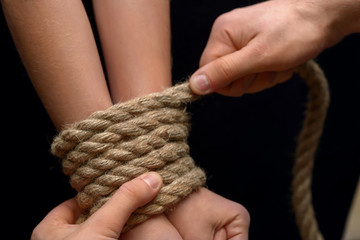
{"x": 113, "y": 146}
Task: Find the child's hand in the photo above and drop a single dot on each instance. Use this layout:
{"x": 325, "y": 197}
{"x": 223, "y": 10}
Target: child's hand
{"x": 205, "y": 215}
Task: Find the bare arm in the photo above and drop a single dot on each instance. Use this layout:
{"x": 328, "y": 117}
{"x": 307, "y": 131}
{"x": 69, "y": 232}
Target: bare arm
{"x": 57, "y": 47}
{"x": 135, "y": 37}
{"x": 245, "y": 56}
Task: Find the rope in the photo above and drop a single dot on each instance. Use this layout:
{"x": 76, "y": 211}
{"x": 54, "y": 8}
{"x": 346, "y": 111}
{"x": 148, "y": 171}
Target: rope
{"x": 305, "y": 152}
{"x": 116, "y": 145}
{"x": 113, "y": 146}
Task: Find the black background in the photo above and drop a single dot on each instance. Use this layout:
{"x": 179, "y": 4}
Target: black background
{"x": 246, "y": 145}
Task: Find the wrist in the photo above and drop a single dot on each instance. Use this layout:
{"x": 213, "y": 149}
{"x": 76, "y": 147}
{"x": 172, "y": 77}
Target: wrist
{"x": 334, "y": 18}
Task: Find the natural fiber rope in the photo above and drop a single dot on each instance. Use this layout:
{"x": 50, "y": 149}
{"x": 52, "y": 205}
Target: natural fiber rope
{"x": 305, "y": 152}
{"x": 116, "y": 145}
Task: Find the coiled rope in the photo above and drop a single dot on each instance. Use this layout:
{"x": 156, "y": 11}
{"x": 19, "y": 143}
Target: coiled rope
{"x": 150, "y": 133}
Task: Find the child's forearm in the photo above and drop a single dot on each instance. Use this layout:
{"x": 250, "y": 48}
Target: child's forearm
{"x": 135, "y": 37}
{"x": 57, "y": 47}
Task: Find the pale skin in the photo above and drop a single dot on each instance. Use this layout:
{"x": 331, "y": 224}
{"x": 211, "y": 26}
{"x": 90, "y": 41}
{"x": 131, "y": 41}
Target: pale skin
{"x": 56, "y": 44}
{"x": 137, "y": 62}
{"x": 256, "y": 43}
{"x": 248, "y": 56}
{"x": 59, "y": 224}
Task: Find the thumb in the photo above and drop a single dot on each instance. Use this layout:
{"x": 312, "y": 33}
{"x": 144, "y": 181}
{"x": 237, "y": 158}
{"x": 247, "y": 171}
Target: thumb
{"x": 110, "y": 218}
{"x": 223, "y": 71}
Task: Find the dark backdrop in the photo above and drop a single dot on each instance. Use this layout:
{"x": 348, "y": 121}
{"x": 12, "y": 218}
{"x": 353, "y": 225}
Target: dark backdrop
{"x": 246, "y": 145}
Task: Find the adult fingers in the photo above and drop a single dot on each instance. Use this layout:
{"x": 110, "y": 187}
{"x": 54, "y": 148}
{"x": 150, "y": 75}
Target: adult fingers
{"x": 64, "y": 214}
{"x": 238, "y": 229}
{"x": 238, "y": 87}
{"x": 255, "y": 83}
{"x": 110, "y": 219}
{"x": 228, "y": 68}
{"x": 268, "y": 79}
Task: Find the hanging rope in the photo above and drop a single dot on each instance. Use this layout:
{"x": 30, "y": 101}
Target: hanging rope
{"x": 305, "y": 152}
{"x": 149, "y": 133}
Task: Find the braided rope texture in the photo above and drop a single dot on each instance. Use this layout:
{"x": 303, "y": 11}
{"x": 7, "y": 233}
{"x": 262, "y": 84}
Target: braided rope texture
{"x": 308, "y": 141}
{"x": 113, "y": 146}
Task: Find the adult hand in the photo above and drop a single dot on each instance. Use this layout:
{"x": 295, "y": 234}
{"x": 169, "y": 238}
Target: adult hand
{"x": 107, "y": 222}
{"x": 256, "y": 47}
{"x": 204, "y": 215}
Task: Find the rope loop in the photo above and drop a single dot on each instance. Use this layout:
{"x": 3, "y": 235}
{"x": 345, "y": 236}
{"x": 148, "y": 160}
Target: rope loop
{"x": 150, "y": 133}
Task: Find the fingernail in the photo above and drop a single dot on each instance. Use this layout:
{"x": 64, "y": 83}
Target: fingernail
{"x": 201, "y": 84}
{"x": 152, "y": 179}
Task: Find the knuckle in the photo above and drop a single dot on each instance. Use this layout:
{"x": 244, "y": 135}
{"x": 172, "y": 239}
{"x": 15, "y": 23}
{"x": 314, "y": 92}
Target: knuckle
{"x": 239, "y": 226}
{"x": 205, "y": 58}
{"x": 261, "y": 51}
{"x": 245, "y": 213}
{"x": 221, "y": 20}
{"x": 223, "y": 26}
{"x": 242, "y": 213}
{"x": 227, "y": 17}
{"x": 266, "y": 57}
{"x": 36, "y": 234}
{"x": 40, "y": 233}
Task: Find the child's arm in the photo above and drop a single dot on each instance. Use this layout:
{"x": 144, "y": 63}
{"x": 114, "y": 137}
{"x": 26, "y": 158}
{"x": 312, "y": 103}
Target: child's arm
{"x": 135, "y": 38}
{"x": 55, "y": 41}
{"x": 57, "y": 47}
{"x": 56, "y": 44}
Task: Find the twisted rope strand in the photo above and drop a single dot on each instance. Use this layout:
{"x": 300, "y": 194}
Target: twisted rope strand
{"x": 118, "y": 144}
{"x": 305, "y": 153}
{"x": 113, "y": 146}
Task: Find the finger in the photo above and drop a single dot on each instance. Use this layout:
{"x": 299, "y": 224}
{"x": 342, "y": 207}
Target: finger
{"x": 224, "y": 38}
{"x": 226, "y": 69}
{"x": 269, "y": 79}
{"x": 110, "y": 219}
{"x": 263, "y": 81}
{"x": 220, "y": 234}
{"x": 238, "y": 229}
{"x": 238, "y": 87}
{"x": 284, "y": 76}
{"x": 66, "y": 213}
{"x": 215, "y": 48}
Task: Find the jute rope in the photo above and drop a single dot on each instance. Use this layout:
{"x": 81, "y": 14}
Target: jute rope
{"x": 149, "y": 133}
{"x": 305, "y": 152}
{"x": 113, "y": 146}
